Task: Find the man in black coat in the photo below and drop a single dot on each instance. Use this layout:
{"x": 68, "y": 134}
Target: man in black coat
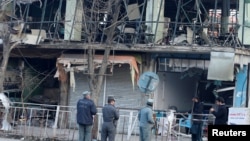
{"x": 197, "y": 119}
{"x": 221, "y": 115}
{"x": 86, "y": 109}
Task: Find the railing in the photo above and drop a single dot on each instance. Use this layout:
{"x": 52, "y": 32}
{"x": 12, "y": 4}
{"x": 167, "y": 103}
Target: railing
{"x": 41, "y": 121}
{"x": 57, "y": 122}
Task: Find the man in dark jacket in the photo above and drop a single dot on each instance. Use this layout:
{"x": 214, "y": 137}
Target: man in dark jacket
{"x": 197, "y": 123}
{"x": 110, "y": 116}
{"x": 86, "y": 109}
{"x": 220, "y": 114}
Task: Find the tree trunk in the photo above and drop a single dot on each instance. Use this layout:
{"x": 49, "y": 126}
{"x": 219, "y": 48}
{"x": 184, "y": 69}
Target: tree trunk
{"x": 5, "y": 55}
{"x": 64, "y": 89}
{"x": 5, "y": 59}
{"x": 96, "y": 80}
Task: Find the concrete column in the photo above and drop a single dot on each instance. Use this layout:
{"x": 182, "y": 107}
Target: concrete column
{"x": 244, "y": 22}
{"x": 155, "y": 12}
{"x": 73, "y": 14}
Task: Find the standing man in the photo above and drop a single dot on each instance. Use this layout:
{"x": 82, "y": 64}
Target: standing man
{"x": 196, "y": 128}
{"x": 110, "y": 116}
{"x": 86, "y": 109}
{"x": 221, "y": 113}
{"x": 146, "y": 121}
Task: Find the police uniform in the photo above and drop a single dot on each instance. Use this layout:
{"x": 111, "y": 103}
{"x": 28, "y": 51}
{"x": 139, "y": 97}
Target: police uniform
{"x": 146, "y": 121}
{"x": 110, "y": 117}
{"x": 85, "y": 110}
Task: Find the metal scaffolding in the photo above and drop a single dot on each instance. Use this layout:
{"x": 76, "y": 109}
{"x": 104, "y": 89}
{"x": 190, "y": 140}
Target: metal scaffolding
{"x": 138, "y": 22}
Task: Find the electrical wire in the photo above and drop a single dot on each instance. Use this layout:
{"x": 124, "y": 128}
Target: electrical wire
{"x": 44, "y": 78}
{"x": 29, "y": 65}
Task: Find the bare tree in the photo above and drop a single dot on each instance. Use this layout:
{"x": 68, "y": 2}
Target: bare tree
{"x": 6, "y": 45}
{"x": 94, "y": 30}
{"x": 92, "y": 8}
{"x": 96, "y": 78}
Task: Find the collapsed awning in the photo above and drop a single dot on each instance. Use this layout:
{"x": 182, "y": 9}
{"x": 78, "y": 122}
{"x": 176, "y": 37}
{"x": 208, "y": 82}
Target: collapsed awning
{"x": 79, "y": 62}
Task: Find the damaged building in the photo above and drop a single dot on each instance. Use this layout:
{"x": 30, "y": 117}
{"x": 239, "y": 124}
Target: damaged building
{"x": 196, "y": 47}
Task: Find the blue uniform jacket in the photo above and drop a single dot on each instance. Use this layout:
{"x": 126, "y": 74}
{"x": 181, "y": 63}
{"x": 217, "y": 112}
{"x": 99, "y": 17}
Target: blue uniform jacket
{"x": 85, "y": 110}
{"x": 110, "y": 114}
{"x": 145, "y": 117}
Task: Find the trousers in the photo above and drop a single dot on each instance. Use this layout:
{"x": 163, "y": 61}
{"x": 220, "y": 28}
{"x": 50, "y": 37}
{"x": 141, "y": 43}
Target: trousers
{"x": 108, "y": 131}
{"x": 145, "y": 133}
{"x": 196, "y": 131}
{"x": 85, "y": 132}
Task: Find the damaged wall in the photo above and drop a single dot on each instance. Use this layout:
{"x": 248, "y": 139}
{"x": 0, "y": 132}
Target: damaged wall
{"x": 173, "y": 91}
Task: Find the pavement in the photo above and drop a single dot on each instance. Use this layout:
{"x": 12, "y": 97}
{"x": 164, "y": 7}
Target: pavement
{"x": 120, "y": 137}
{"x": 8, "y": 139}
{"x": 159, "y": 138}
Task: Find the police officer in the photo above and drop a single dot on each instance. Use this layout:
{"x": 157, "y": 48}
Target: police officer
{"x": 86, "y": 109}
{"x": 110, "y": 117}
{"x": 146, "y": 121}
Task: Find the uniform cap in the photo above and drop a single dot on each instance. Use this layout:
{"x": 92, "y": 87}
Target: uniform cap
{"x": 111, "y": 98}
{"x": 150, "y": 102}
{"x": 86, "y": 93}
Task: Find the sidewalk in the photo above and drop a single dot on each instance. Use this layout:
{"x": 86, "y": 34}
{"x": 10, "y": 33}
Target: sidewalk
{"x": 118, "y": 138}
{"x": 8, "y": 139}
